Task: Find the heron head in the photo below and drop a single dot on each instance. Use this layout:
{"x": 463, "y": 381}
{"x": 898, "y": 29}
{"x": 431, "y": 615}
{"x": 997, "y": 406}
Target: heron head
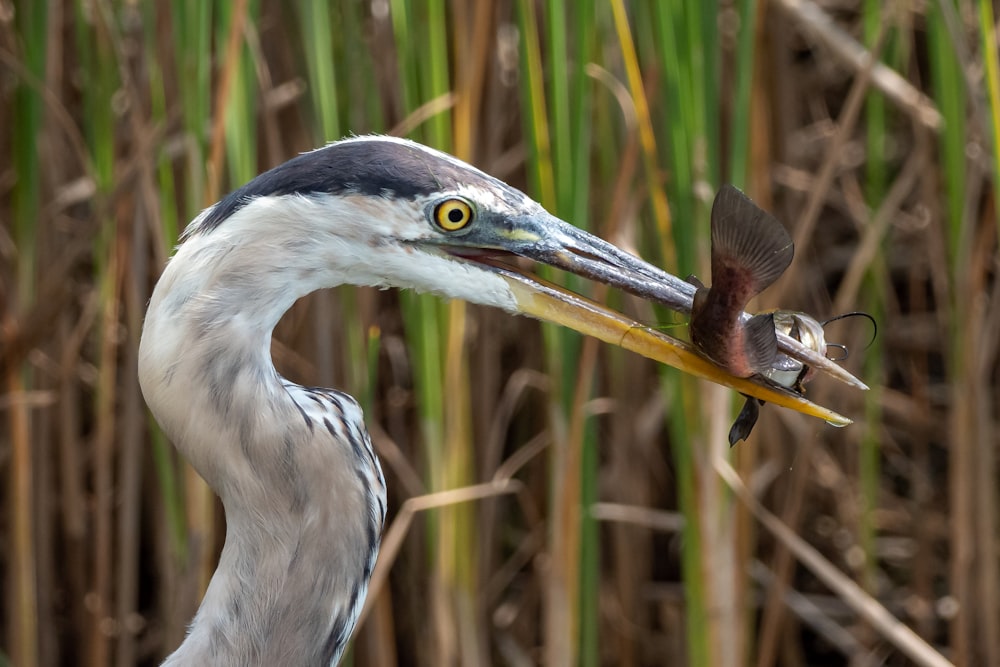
{"x": 392, "y": 213}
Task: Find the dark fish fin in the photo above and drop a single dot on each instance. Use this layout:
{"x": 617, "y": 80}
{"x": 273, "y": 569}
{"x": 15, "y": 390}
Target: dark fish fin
{"x": 698, "y": 301}
{"x": 747, "y": 239}
{"x": 745, "y": 420}
{"x": 761, "y": 342}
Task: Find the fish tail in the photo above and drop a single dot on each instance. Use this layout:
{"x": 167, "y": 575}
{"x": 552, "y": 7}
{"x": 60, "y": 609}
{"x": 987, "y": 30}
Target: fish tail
{"x": 744, "y": 233}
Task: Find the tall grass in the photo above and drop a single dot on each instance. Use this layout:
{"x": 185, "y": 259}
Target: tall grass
{"x": 23, "y": 206}
{"x": 552, "y": 500}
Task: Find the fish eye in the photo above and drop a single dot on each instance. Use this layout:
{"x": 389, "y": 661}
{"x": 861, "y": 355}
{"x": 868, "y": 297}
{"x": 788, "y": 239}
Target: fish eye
{"x": 453, "y": 214}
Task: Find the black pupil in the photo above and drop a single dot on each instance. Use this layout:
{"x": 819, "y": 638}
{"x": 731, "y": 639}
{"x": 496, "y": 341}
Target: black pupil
{"x": 456, "y": 215}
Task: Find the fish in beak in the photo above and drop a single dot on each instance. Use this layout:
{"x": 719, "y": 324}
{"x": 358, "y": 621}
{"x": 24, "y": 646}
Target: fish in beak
{"x": 750, "y": 250}
{"x": 545, "y": 239}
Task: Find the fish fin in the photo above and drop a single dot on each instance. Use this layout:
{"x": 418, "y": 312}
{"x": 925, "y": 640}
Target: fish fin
{"x": 700, "y": 294}
{"x": 698, "y": 301}
{"x": 761, "y": 342}
{"x": 748, "y": 240}
{"x": 694, "y": 280}
{"x": 745, "y": 420}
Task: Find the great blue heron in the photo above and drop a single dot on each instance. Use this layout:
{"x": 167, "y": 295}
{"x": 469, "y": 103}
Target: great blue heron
{"x": 303, "y": 492}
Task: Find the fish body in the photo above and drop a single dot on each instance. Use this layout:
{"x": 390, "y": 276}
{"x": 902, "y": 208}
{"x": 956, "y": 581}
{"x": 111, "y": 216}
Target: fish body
{"x": 750, "y": 250}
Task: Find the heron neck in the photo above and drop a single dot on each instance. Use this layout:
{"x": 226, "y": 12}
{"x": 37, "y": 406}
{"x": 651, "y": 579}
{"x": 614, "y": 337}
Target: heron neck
{"x": 204, "y": 358}
{"x": 301, "y": 533}
{"x": 291, "y": 578}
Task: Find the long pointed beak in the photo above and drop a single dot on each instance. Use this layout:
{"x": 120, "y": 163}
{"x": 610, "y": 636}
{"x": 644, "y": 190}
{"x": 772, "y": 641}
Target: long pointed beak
{"x": 556, "y": 243}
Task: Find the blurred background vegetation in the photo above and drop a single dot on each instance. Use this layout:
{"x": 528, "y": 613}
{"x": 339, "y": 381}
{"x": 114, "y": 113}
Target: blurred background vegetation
{"x": 553, "y": 500}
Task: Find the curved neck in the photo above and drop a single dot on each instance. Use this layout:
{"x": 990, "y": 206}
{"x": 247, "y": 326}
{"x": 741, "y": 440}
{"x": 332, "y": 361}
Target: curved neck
{"x": 303, "y": 510}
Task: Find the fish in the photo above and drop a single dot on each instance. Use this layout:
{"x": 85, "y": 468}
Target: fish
{"x": 750, "y": 250}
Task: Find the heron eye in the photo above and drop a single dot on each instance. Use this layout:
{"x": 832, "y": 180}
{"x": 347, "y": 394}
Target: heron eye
{"x": 452, "y": 215}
